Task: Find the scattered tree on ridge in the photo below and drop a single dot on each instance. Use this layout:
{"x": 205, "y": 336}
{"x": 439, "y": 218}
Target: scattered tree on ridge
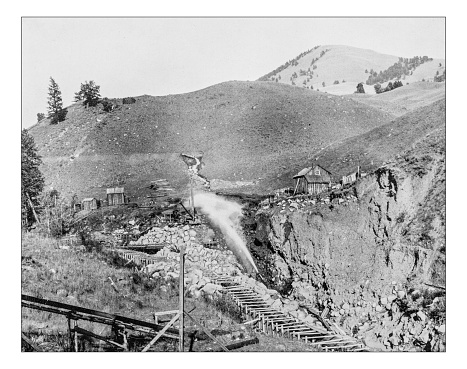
{"x": 40, "y": 116}
{"x": 32, "y": 180}
{"x": 88, "y": 93}
{"x": 55, "y": 104}
{"x": 360, "y": 89}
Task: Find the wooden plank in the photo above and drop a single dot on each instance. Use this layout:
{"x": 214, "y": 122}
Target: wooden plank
{"x": 239, "y": 344}
{"x": 159, "y": 335}
{"x": 169, "y": 312}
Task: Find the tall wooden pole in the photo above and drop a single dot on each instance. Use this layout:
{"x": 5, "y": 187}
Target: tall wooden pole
{"x": 192, "y": 198}
{"x": 181, "y": 298}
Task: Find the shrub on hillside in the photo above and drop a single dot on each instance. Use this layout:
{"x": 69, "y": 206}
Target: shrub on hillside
{"x": 360, "y": 89}
{"x": 440, "y": 78}
{"x": 40, "y": 116}
{"x": 336, "y": 82}
{"x": 108, "y": 105}
{"x": 129, "y": 100}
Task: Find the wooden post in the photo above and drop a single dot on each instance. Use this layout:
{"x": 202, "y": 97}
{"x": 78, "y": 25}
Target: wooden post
{"x": 181, "y": 297}
{"x": 70, "y": 335}
{"x": 192, "y": 198}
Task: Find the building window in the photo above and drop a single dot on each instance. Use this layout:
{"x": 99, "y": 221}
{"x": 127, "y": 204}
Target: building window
{"x": 317, "y": 172}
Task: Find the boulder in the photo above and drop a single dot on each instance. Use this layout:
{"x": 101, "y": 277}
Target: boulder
{"x": 211, "y": 288}
{"x": 291, "y": 306}
{"x": 421, "y": 315}
{"x": 277, "y": 304}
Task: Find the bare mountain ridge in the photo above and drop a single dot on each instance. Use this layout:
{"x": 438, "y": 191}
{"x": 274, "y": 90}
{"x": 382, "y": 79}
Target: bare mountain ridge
{"x": 247, "y": 131}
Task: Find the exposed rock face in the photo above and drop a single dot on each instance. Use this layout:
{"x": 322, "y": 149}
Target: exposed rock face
{"x": 384, "y": 235}
{"x": 360, "y": 257}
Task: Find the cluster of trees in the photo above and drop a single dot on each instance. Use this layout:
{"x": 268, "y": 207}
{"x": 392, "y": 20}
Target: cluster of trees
{"x": 89, "y": 94}
{"x": 287, "y": 64}
{"x": 44, "y": 208}
{"x": 404, "y": 66}
{"x": 32, "y": 180}
{"x": 440, "y": 78}
{"x": 389, "y": 87}
{"x": 360, "y": 89}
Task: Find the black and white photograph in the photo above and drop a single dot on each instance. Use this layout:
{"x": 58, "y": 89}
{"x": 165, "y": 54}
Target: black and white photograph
{"x": 233, "y": 184}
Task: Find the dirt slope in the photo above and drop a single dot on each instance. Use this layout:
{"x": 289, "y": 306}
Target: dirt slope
{"x": 247, "y": 131}
{"x": 373, "y": 148}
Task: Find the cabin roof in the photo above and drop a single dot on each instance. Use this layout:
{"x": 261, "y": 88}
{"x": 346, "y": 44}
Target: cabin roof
{"x": 310, "y": 177}
{"x": 89, "y": 199}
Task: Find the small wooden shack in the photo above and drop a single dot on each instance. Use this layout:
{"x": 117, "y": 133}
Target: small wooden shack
{"x": 312, "y": 180}
{"x": 116, "y": 196}
{"x": 350, "y": 178}
{"x": 89, "y": 203}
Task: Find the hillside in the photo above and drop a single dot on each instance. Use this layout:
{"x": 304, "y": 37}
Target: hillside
{"x": 381, "y": 144}
{"x": 406, "y": 98}
{"x": 347, "y": 65}
{"x": 247, "y": 131}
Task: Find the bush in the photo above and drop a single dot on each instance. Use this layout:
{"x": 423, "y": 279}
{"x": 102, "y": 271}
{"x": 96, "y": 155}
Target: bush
{"x": 40, "y": 116}
{"x": 129, "y": 100}
{"x": 336, "y": 82}
{"x": 107, "y": 105}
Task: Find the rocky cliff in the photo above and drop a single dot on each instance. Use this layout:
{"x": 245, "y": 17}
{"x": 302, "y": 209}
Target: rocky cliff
{"x": 385, "y": 236}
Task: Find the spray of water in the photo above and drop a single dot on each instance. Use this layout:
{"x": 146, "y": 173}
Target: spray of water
{"x": 226, "y": 215}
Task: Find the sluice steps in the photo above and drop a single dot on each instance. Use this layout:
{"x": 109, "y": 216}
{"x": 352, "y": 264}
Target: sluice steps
{"x": 271, "y": 321}
{"x": 278, "y": 323}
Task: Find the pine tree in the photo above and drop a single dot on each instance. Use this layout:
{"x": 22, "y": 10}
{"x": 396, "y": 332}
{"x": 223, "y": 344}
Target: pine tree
{"x": 32, "y": 180}
{"x": 89, "y": 92}
{"x": 55, "y": 109}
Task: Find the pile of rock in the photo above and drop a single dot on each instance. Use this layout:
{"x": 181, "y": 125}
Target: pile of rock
{"x": 176, "y": 236}
{"x": 376, "y": 316}
{"x": 303, "y": 204}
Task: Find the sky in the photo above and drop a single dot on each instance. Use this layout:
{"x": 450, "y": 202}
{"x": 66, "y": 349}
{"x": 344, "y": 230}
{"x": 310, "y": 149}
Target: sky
{"x": 161, "y": 56}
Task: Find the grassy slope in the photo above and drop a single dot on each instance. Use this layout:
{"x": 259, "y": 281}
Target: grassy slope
{"x": 381, "y": 144}
{"x": 246, "y": 130}
{"x": 83, "y": 276}
{"x": 349, "y": 64}
{"x": 406, "y": 98}
{"x": 340, "y": 62}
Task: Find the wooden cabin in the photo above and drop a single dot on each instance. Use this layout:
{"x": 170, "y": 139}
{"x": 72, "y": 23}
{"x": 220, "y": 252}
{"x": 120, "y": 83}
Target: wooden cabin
{"x": 89, "y": 203}
{"x": 116, "y": 196}
{"x": 312, "y": 180}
